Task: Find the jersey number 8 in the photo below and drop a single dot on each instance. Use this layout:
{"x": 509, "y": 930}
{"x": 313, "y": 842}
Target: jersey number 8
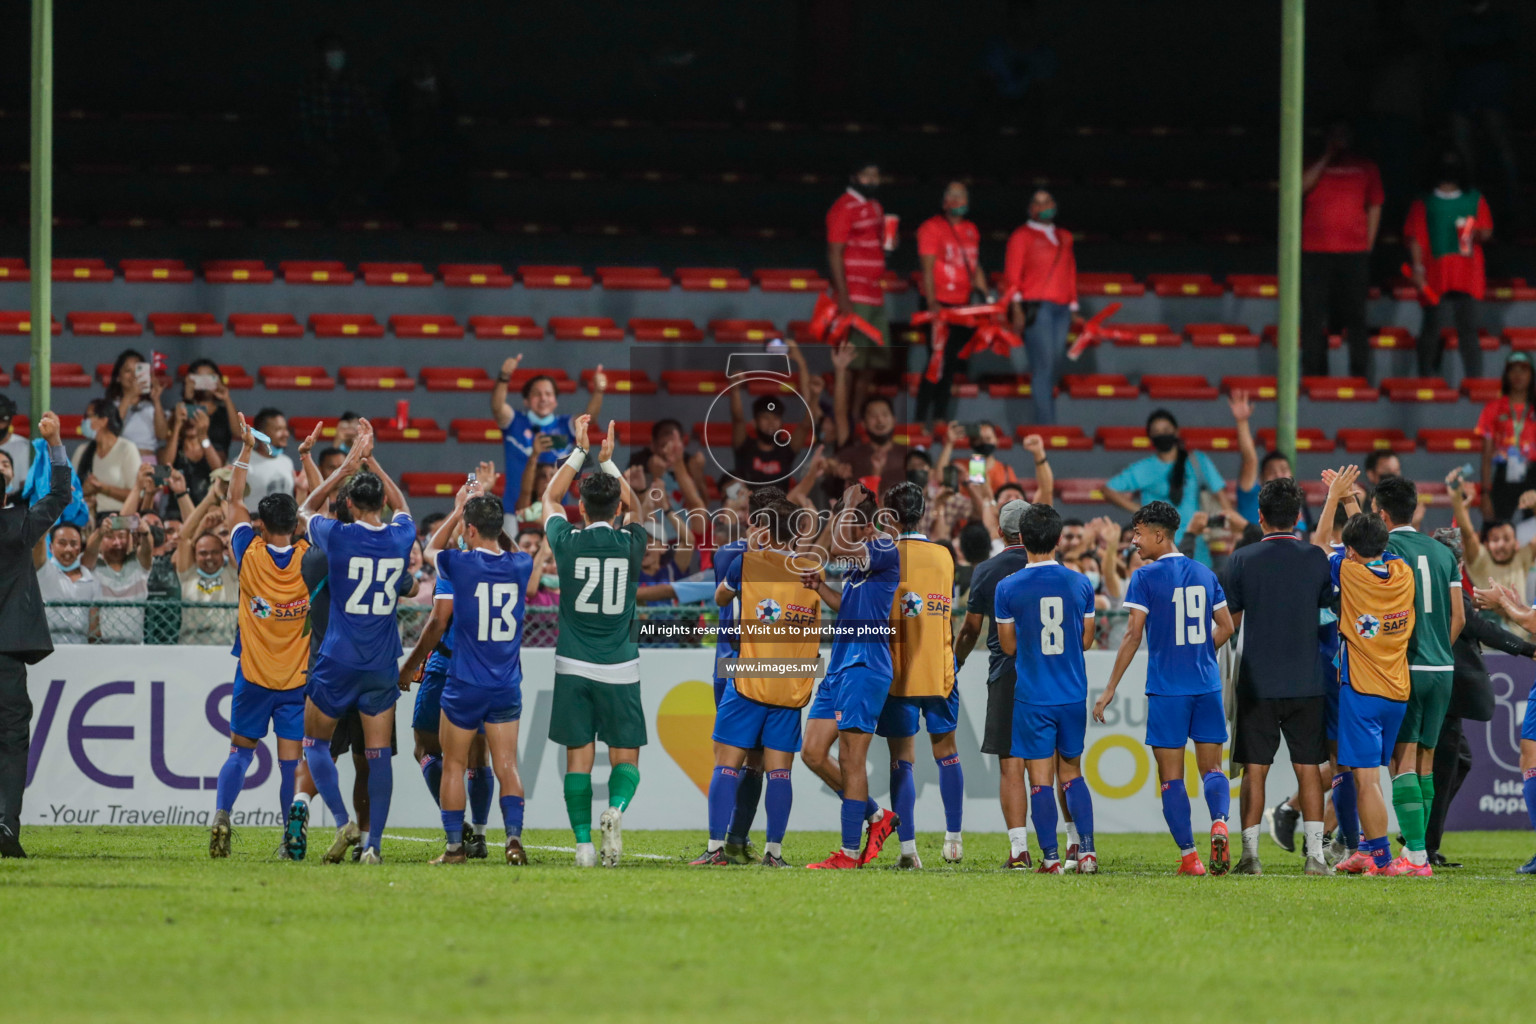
{"x": 612, "y": 574}
{"x": 1052, "y": 639}
{"x": 367, "y": 570}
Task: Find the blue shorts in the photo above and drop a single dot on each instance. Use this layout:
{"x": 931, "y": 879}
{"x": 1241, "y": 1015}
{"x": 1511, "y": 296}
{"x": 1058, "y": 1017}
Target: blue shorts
{"x": 1331, "y": 708}
{"x": 857, "y": 696}
{"x": 1528, "y": 727}
{"x": 469, "y": 707}
{"x": 254, "y": 706}
{"x": 720, "y": 683}
{"x": 425, "y": 716}
{"x": 746, "y": 723}
{"x": 337, "y": 689}
{"x": 1044, "y": 730}
{"x": 1173, "y": 721}
{"x": 940, "y": 715}
{"x": 1368, "y": 728}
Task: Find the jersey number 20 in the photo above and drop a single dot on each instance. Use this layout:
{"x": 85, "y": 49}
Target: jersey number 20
{"x": 611, "y": 574}
{"x": 367, "y": 570}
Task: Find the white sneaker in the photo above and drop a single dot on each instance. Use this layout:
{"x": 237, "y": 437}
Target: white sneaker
{"x": 1069, "y": 862}
{"x": 612, "y": 826}
{"x": 346, "y": 836}
{"x": 953, "y": 851}
{"x": 1088, "y": 864}
{"x": 370, "y": 856}
{"x": 586, "y": 855}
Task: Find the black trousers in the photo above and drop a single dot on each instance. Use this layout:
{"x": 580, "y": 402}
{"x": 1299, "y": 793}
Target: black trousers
{"x": 1463, "y": 309}
{"x": 15, "y": 738}
{"x": 1506, "y": 492}
{"x": 1334, "y": 287}
{"x": 1453, "y": 760}
{"x": 933, "y": 398}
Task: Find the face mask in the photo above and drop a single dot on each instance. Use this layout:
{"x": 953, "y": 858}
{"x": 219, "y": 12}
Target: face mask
{"x": 1165, "y": 442}
{"x": 541, "y": 421}
{"x": 879, "y": 439}
{"x": 867, "y": 191}
{"x": 67, "y": 567}
{"x": 420, "y": 574}
{"x": 88, "y": 430}
{"x": 983, "y": 449}
{"x": 1094, "y": 578}
{"x": 335, "y": 59}
{"x": 958, "y": 211}
{"x": 549, "y": 581}
{"x": 209, "y": 576}
{"x": 1046, "y": 215}
{"x": 917, "y": 476}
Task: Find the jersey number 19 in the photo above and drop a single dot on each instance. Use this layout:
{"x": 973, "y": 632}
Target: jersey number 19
{"x": 1189, "y": 610}
{"x": 609, "y": 574}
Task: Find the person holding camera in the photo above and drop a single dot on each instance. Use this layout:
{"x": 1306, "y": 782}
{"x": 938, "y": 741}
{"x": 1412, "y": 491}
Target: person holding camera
{"x": 135, "y": 392}
{"x": 538, "y": 416}
{"x": 120, "y": 552}
{"x": 107, "y": 464}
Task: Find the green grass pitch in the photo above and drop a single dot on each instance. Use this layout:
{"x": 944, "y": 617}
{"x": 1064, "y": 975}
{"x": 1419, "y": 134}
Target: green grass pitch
{"x": 138, "y": 924}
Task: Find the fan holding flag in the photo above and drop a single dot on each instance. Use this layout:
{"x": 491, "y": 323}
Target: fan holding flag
{"x": 947, "y": 248}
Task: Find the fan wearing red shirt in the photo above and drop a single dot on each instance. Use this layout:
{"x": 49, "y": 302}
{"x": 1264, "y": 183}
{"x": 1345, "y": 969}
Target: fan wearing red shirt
{"x": 856, "y": 258}
{"x": 1040, "y": 276}
{"x": 948, "y": 247}
{"x": 1445, "y": 233}
{"x": 1508, "y": 429}
{"x": 1340, "y": 212}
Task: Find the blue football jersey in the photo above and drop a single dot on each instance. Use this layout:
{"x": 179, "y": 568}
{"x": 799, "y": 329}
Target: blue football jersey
{"x": 364, "y": 569}
{"x": 867, "y": 596}
{"x": 488, "y": 609}
{"x": 726, "y": 557}
{"x": 438, "y": 662}
{"x": 1180, "y": 598}
{"x": 1047, "y": 604}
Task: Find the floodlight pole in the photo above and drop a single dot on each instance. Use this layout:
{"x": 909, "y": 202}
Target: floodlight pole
{"x": 42, "y": 207}
{"x": 1292, "y": 39}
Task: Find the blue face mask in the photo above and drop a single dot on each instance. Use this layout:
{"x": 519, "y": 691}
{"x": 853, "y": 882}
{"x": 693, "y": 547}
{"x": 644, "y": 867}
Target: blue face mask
{"x": 210, "y": 576}
{"x": 87, "y": 431}
{"x": 549, "y": 582}
{"x": 67, "y": 567}
{"x": 1094, "y": 578}
{"x": 541, "y": 421}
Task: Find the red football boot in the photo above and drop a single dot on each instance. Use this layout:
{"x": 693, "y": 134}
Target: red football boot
{"x": 879, "y": 832}
{"x": 839, "y": 859}
{"x": 1221, "y": 859}
{"x": 1191, "y": 865}
{"x": 1357, "y": 863}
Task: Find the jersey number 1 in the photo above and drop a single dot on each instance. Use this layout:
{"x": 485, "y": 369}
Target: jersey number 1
{"x": 1189, "y": 611}
{"x": 612, "y": 574}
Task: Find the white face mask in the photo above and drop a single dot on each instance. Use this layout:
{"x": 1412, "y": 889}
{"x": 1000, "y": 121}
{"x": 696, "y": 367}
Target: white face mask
{"x": 336, "y": 59}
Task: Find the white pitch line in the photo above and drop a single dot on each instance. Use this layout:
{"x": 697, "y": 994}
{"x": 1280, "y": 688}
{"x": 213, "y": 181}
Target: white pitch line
{"x": 552, "y": 849}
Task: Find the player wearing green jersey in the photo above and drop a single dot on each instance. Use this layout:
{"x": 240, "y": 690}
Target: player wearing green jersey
{"x": 1438, "y": 620}
{"x": 597, "y": 662}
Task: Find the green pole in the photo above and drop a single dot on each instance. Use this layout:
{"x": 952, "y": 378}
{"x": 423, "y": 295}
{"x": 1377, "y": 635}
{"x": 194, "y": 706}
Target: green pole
{"x": 1292, "y": 38}
{"x": 42, "y": 207}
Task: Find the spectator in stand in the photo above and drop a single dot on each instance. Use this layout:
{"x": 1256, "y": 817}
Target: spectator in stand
{"x": 1040, "y": 280}
{"x": 203, "y": 388}
{"x": 14, "y": 445}
{"x": 1493, "y": 555}
{"x": 344, "y": 134}
{"x": 1445, "y": 233}
{"x": 120, "y": 557}
{"x": 191, "y": 450}
{"x": 1174, "y": 475}
{"x": 106, "y": 464}
{"x": 856, "y": 261}
{"x": 1379, "y": 465}
{"x": 62, "y": 578}
{"x": 1483, "y": 50}
{"x": 769, "y": 454}
{"x": 544, "y": 582}
{"x": 1256, "y": 472}
{"x": 1507, "y": 426}
{"x": 205, "y": 575}
{"x": 135, "y": 391}
{"x": 948, "y": 249}
{"x": 1341, "y": 211}
{"x": 538, "y": 416}
{"x": 423, "y": 116}
{"x": 271, "y": 470}
{"x": 878, "y": 454}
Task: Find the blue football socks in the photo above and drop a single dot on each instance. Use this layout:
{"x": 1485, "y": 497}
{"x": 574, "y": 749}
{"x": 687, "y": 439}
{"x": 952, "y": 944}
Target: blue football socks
{"x": 1346, "y": 808}
{"x": 1080, "y": 803}
{"x": 1042, "y": 807}
{"x": 1176, "y": 814}
{"x": 482, "y": 787}
{"x": 381, "y": 787}
{"x": 232, "y": 776}
{"x": 1218, "y": 795}
{"x": 904, "y": 800}
{"x": 286, "y": 772}
{"x": 453, "y": 826}
{"x": 512, "y": 815}
{"x": 322, "y": 769}
{"x": 747, "y": 796}
{"x": 781, "y": 796}
{"x": 723, "y": 784}
{"x": 951, "y": 790}
{"x": 853, "y": 824}
{"x": 432, "y": 771}
{"x": 1530, "y": 794}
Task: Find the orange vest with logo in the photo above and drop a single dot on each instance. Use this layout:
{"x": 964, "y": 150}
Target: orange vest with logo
{"x": 778, "y": 618}
{"x": 1375, "y": 622}
{"x": 274, "y": 618}
{"x": 923, "y": 650}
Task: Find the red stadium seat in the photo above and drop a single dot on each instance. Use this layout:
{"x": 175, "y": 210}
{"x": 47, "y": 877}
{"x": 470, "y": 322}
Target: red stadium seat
{"x": 176, "y": 325}
{"x": 454, "y": 378}
{"x": 471, "y": 431}
{"x": 1450, "y": 440}
{"x": 474, "y": 275}
{"x": 376, "y": 378}
{"x": 712, "y": 279}
{"x": 1142, "y": 335}
{"x": 1068, "y": 438}
{"x": 1339, "y": 389}
{"x": 506, "y": 327}
{"x": 149, "y": 271}
{"x": 1393, "y": 337}
{"x": 316, "y": 272}
{"x": 648, "y": 279}
{"x": 412, "y": 275}
{"x": 1080, "y": 491}
{"x": 236, "y": 272}
{"x": 5, "y": 380}
{"x": 1433, "y": 493}
{"x": 1486, "y": 339}
{"x": 1259, "y": 387}
{"x": 633, "y": 432}
{"x": 82, "y": 270}
{"x": 585, "y": 328}
{"x": 1015, "y": 386}
{"x": 235, "y": 377}
{"x": 1099, "y": 385}
{"x": 265, "y": 325}
{"x": 13, "y": 268}
{"x": 651, "y": 329}
{"x": 744, "y": 330}
{"x": 1419, "y": 389}
{"x": 1374, "y": 439}
{"x": 554, "y": 277}
{"x": 432, "y": 485}
{"x": 425, "y": 325}
{"x": 1210, "y": 439}
{"x": 563, "y": 384}
{"x": 1254, "y": 286}
{"x": 296, "y": 378}
{"x": 62, "y": 375}
{"x": 714, "y": 434}
{"x": 112, "y": 322}
{"x": 19, "y": 321}
{"x": 1178, "y": 386}
{"x": 416, "y": 431}
{"x": 962, "y": 386}
{"x": 1510, "y": 289}
{"x": 302, "y": 425}
{"x": 780, "y": 279}
{"x": 893, "y": 283}
{"x": 1109, "y": 284}
{"x": 634, "y": 382}
{"x": 909, "y": 434}
{"x": 345, "y": 325}
{"x": 1123, "y": 439}
{"x": 1308, "y": 439}
{"x": 1271, "y": 332}
{"x": 1221, "y": 336}
{"x": 941, "y": 431}
{"x": 1482, "y": 389}
{"x": 1521, "y": 339}
{"x": 693, "y": 382}
{"x": 1187, "y": 285}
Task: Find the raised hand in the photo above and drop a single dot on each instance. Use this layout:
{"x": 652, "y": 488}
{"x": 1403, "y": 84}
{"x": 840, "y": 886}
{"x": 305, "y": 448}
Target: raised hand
{"x": 314, "y": 436}
{"x": 509, "y": 364}
{"x": 48, "y": 428}
{"x": 579, "y": 428}
{"x": 485, "y": 476}
{"x": 605, "y": 453}
{"x": 243, "y": 431}
{"x": 599, "y": 380}
{"x": 1035, "y": 445}
{"x": 1342, "y": 482}
{"x": 842, "y": 356}
{"x": 1242, "y": 408}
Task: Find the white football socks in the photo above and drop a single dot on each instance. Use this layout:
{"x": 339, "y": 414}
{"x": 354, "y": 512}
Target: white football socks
{"x": 1251, "y": 841}
{"x": 1018, "y": 840}
{"x": 1313, "y": 831}
{"x": 909, "y": 847}
{"x": 1072, "y": 839}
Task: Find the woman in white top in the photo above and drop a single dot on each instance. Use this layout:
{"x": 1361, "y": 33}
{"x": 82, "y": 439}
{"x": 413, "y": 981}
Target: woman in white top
{"x": 61, "y": 577}
{"x": 136, "y": 394}
{"x": 107, "y": 464}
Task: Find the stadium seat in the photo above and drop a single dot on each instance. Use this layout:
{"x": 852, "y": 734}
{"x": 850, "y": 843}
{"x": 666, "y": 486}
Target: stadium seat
{"x": 963, "y": 442}
{"x": 554, "y": 277}
{"x": 506, "y": 327}
{"x": 961, "y": 387}
{"x": 82, "y": 270}
{"x": 452, "y": 378}
{"x": 1122, "y": 439}
{"x": 893, "y": 283}
{"x": 714, "y": 434}
{"x": 1109, "y": 284}
{"x": 1433, "y": 493}
{"x": 1393, "y": 337}
{"x": 376, "y": 378}
{"x": 473, "y": 431}
{"x": 63, "y": 375}
{"x": 301, "y": 426}
{"x": 474, "y": 275}
{"x": 111, "y": 322}
{"x": 1511, "y": 289}
{"x": 1177, "y": 386}
{"x": 1482, "y": 389}
{"x": 585, "y": 328}
{"x": 1221, "y": 336}
{"x": 1339, "y": 389}
{"x": 633, "y": 433}
{"x": 1260, "y": 388}
{"x": 1254, "y": 286}
{"x": 1486, "y": 339}
{"x": 1142, "y": 335}
{"x": 910, "y": 435}
{"x": 1184, "y": 285}
{"x": 316, "y": 272}
{"x": 425, "y": 325}
{"x": 780, "y": 279}
{"x": 563, "y": 384}
{"x": 5, "y": 380}
{"x": 712, "y": 279}
{"x": 416, "y": 431}
{"x": 429, "y": 485}
{"x": 412, "y": 275}
{"x": 633, "y": 279}
{"x": 1418, "y": 389}
{"x": 1450, "y": 440}
{"x": 236, "y": 272}
{"x": 1015, "y": 386}
{"x": 634, "y": 382}
{"x": 234, "y": 376}
{"x": 345, "y": 325}
{"x": 13, "y": 268}
{"x": 176, "y": 325}
{"x": 1308, "y": 439}
{"x": 1099, "y": 385}
{"x": 653, "y": 329}
{"x": 265, "y": 325}
{"x": 1210, "y": 439}
{"x": 139, "y": 271}
{"x": 1374, "y": 439}
{"x": 296, "y": 378}
{"x": 693, "y": 382}
{"x": 735, "y": 331}
{"x": 1080, "y": 491}
{"x": 1057, "y": 437}
{"x": 1521, "y": 339}
{"x": 1271, "y": 332}
{"x": 19, "y": 321}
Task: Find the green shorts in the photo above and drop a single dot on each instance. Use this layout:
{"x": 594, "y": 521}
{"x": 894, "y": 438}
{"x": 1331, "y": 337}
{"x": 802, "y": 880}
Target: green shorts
{"x": 869, "y": 355}
{"x": 586, "y": 709}
{"x": 1427, "y": 703}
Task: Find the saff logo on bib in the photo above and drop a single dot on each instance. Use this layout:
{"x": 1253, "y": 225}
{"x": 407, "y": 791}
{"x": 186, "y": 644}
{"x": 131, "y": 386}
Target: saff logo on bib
{"x": 260, "y": 607}
{"x": 911, "y": 604}
{"x": 768, "y": 610}
{"x": 1368, "y": 626}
